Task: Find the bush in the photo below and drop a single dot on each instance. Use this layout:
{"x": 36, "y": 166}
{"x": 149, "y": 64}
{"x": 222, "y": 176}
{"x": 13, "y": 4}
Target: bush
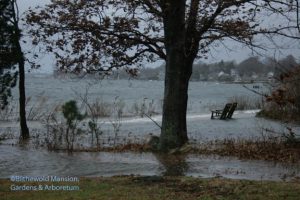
{"x": 62, "y": 135}
{"x": 284, "y": 101}
{"x": 99, "y": 108}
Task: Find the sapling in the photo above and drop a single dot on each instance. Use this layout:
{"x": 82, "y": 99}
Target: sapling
{"x": 72, "y": 116}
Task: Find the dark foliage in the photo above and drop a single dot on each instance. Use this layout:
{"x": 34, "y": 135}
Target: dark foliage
{"x": 7, "y": 52}
{"x": 284, "y": 101}
{"x": 11, "y": 55}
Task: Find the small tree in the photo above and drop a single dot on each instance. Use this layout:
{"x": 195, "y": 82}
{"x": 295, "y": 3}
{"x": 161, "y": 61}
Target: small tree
{"x": 72, "y": 116}
{"x": 94, "y": 110}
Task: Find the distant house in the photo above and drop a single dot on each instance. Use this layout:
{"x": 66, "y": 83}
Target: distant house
{"x": 221, "y": 73}
{"x": 254, "y": 76}
{"x": 222, "y": 76}
{"x": 237, "y": 78}
{"x": 270, "y": 76}
{"x": 233, "y": 73}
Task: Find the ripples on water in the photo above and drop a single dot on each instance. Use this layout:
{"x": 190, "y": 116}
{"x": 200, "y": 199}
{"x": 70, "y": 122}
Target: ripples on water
{"x": 202, "y": 95}
{"x": 30, "y": 162}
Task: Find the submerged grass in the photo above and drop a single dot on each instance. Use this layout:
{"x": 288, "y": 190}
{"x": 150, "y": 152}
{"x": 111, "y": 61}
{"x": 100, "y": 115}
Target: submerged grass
{"x": 157, "y": 188}
{"x": 129, "y": 147}
{"x": 269, "y": 150}
{"x": 274, "y": 150}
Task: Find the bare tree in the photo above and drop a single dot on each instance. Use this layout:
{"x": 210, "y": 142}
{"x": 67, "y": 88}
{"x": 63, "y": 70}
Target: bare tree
{"x": 99, "y": 35}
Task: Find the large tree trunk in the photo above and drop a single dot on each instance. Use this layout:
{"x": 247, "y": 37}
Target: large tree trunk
{"x": 177, "y": 75}
{"x": 174, "y": 129}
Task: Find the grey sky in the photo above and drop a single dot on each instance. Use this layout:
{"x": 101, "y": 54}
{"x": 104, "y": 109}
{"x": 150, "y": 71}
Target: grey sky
{"x": 229, "y": 50}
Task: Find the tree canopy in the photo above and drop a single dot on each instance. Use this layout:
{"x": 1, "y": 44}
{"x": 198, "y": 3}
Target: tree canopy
{"x": 7, "y": 46}
{"x": 101, "y": 35}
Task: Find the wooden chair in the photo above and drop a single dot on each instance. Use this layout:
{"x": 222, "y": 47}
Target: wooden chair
{"x": 221, "y": 114}
{"x": 231, "y": 110}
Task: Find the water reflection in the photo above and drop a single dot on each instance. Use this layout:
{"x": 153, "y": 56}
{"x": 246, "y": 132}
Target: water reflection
{"x": 175, "y": 165}
{"x": 16, "y": 160}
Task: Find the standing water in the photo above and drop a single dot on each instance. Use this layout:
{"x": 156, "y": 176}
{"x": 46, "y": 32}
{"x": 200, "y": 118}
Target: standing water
{"x": 203, "y": 96}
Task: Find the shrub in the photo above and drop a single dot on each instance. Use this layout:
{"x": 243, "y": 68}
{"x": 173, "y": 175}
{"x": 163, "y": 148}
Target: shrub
{"x": 99, "y": 108}
{"x": 284, "y": 101}
{"x": 62, "y": 135}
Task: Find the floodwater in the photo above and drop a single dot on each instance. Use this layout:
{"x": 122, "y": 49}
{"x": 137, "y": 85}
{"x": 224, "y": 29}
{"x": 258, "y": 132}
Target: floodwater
{"x": 201, "y": 128}
{"x": 19, "y": 160}
{"x": 31, "y": 162}
{"x": 202, "y": 95}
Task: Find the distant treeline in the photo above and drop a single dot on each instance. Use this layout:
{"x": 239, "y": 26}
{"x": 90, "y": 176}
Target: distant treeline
{"x": 250, "y": 69}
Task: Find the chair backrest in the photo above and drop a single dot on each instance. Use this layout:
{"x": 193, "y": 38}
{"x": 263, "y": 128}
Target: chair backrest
{"x": 231, "y": 110}
{"x": 225, "y": 111}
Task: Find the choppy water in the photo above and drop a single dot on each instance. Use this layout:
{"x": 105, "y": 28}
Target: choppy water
{"x": 202, "y": 95}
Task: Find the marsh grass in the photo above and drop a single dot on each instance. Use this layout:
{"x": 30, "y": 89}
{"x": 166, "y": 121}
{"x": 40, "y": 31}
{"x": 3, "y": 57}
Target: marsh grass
{"x": 38, "y": 109}
{"x": 247, "y": 102}
{"x": 146, "y": 107}
{"x": 129, "y": 147}
{"x": 99, "y": 108}
{"x": 6, "y": 134}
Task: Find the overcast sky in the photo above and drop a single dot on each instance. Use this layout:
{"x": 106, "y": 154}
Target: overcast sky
{"x": 233, "y": 50}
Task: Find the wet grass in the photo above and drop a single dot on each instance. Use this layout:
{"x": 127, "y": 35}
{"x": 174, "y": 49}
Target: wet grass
{"x": 284, "y": 148}
{"x": 277, "y": 150}
{"x": 130, "y": 147}
{"x": 157, "y": 188}
{"x": 272, "y": 149}
{"x": 280, "y": 114}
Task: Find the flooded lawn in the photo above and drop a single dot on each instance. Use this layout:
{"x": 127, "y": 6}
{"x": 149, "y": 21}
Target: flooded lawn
{"x": 16, "y": 160}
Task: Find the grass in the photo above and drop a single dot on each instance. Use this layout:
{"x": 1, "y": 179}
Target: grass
{"x": 283, "y": 114}
{"x": 247, "y": 102}
{"x": 160, "y": 188}
{"x": 270, "y": 149}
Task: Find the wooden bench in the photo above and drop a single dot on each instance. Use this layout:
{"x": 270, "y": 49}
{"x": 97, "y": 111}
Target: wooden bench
{"x": 221, "y": 114}
{"x": 231, "y": 110}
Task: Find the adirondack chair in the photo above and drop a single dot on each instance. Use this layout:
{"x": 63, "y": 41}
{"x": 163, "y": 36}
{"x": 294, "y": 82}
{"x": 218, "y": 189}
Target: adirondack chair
{"x": 221, "y": 114}
{"x": 231, "y": 110}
